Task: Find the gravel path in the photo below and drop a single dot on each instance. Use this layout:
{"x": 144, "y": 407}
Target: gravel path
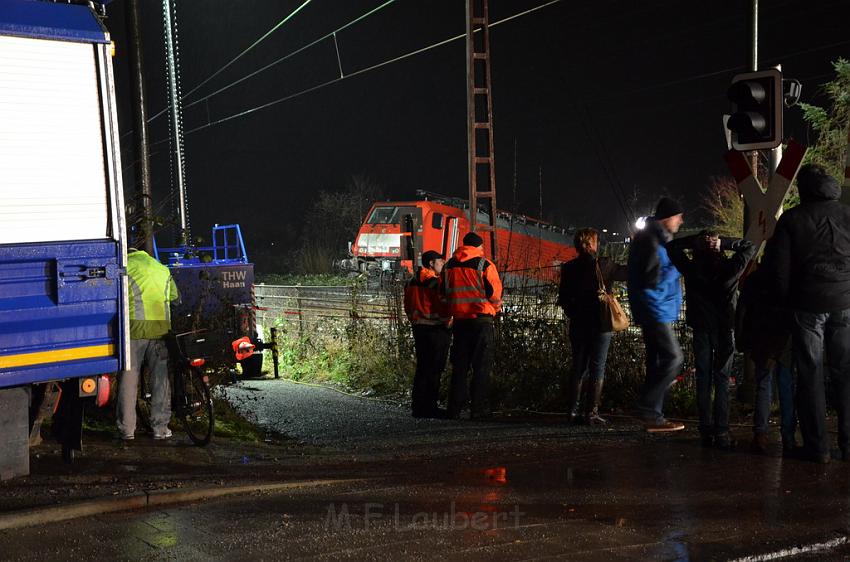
{"x": 324, "y": 417}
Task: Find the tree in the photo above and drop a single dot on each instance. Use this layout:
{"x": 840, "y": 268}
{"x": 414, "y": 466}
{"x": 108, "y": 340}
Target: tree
{"x": 724, "y": 204}
{"x": 332, "y": 222}
{"x": 830, "y": 124}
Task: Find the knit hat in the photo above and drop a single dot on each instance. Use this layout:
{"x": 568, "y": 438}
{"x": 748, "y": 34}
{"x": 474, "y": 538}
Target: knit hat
{"x": 429, "y": 256}
{"x": 667, "y": 208}
{"x": 473, "y": 239}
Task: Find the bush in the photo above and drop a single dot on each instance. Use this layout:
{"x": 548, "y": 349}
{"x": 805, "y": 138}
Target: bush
{"x": 375, "y": 355}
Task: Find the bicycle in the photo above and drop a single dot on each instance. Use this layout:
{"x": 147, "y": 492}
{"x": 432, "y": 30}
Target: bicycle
{"x": 191, "y": 401}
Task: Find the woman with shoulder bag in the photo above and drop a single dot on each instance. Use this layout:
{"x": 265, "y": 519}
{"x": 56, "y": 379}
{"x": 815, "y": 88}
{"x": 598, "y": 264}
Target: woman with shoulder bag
{"x": 585, "y": 296}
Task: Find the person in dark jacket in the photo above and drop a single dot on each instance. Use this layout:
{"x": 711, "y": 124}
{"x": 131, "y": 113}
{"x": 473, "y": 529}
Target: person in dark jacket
{"x": 711, "y": 289}
{"x": 761, "y": 330}
{"x": 655, "y": 297}
{"x": 808, "y": 263}
{"x": 579, "y": 297}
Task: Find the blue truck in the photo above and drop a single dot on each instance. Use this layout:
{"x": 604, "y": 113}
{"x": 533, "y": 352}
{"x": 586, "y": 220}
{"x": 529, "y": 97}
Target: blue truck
{"x": 63, "y": 309}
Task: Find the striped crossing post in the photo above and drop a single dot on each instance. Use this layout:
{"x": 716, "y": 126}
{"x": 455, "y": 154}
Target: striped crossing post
{"x": 766, "y": 205}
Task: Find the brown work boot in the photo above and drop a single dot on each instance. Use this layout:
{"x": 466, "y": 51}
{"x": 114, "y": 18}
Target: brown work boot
{"x": 760, "y": 443}
{"x": 662, "y": 426}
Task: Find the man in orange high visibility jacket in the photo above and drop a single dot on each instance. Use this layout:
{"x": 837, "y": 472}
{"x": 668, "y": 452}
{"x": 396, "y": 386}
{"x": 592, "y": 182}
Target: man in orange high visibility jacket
{"x": 426, "y": 308}
{"x": 474, "y": 294}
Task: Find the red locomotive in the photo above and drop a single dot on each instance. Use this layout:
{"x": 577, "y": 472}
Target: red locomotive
{"x": 394, "y": 235}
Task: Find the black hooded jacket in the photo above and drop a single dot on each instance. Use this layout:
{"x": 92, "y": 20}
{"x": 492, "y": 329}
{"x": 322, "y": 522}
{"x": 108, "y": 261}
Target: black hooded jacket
{"x": 808, "y": 257}
{"x": 711, "y": 282}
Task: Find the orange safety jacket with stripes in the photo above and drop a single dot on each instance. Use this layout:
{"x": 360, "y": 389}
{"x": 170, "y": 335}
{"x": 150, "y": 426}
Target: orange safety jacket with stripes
{"x": 423, "y": 302}
{"x": 471, "y": 284}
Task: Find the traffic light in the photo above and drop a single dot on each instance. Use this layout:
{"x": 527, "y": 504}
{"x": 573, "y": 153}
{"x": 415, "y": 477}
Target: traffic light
{"x": 757, "y": 103}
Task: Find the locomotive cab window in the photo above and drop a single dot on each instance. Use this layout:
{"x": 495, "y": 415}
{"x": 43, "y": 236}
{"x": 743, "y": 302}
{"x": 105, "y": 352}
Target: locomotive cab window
{"x": 437, "y": 220}
{"x": 384, "y": 215}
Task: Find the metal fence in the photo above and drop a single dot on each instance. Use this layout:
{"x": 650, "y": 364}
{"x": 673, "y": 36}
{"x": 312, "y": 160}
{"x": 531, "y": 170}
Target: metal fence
{"x": 533, "y": 352}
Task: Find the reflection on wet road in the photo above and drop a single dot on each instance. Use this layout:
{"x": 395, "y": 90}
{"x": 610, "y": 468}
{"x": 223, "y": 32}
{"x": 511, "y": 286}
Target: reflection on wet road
{"x": 626, "y": 499}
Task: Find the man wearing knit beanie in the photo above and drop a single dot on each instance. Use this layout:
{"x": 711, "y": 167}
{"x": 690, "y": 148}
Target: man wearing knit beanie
{"x": 655, "y": 296}
{"x": 474, "y": 294}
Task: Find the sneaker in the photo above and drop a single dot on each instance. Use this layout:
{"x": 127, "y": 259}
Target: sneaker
{"x": 662, "y": 426}
{"x": 162, "y": 435}
{"x": 760, "y": 443}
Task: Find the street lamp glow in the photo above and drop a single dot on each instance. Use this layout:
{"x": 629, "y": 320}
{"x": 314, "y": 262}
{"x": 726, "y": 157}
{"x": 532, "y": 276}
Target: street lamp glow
{"x": 640, "y": 224}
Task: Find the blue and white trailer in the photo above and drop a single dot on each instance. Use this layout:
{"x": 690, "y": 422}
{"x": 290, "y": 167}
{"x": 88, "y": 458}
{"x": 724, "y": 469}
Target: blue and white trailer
{"x": 63, "y": 309}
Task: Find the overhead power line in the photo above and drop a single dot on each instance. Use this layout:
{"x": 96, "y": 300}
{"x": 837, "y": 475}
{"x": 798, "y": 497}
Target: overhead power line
{"x": 275, "y": 62}
{"x": 359, "y": 72}
{"x": 265, "y": 36}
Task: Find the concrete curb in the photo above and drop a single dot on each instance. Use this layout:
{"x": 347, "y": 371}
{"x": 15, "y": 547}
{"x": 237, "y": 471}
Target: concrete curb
{"x": 141, "y": 500}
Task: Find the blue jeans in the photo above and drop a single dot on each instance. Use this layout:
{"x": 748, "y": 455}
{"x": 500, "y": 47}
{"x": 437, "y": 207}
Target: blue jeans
{"x": 822, "y": 339}
{"x": 764, "y": 396}
{"x": 590, "y": 352}
{"x": 664, "y": 361}
{"x": 713, "y": 351}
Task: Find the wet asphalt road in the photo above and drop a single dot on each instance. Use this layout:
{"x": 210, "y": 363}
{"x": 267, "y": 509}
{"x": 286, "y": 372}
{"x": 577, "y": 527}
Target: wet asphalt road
{"x": 496, "y": 491}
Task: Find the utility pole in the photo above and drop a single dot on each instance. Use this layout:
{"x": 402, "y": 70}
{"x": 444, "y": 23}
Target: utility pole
{"x": 753, "y": 63}
{"x": 174, "y": 95}
{"x": 775, "y": 153}
{"x": 140, "y": 125}
{"x": 479, "y": 111}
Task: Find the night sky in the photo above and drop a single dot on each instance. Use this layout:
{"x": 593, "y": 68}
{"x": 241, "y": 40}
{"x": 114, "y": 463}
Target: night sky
{"x": 600, "y": 95}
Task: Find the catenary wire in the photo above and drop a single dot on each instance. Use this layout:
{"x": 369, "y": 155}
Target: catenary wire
{"x": 265, "y": 36}
{"x": 266, "y": 67}
{"x": 358, "y": 72}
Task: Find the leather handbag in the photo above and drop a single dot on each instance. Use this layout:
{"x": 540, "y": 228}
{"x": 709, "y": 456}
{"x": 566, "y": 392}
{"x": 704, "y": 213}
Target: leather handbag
{"x": 612, "y": 318}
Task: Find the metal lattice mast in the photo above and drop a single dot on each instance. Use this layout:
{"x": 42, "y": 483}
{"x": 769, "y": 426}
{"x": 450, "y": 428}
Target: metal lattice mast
{"x": 479, "y": 107}
{"x": 178, "y": 157}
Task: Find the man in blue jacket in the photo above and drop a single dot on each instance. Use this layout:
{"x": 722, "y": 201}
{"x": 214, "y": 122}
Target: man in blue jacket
{"x": 655, "y": 296}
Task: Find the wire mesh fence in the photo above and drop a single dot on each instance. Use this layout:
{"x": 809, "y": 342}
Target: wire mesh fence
{"x": 361, "y": 338}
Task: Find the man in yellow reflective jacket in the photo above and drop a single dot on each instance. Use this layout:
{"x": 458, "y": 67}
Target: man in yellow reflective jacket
{"x": 151, "y": 291}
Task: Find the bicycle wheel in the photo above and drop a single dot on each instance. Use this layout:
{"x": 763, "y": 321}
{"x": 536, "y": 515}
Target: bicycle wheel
{"x": 196, "y": 410}
{"x": 143, "y": 401}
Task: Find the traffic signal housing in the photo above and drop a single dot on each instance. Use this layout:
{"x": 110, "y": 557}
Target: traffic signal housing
{"x": 757, "y": 103}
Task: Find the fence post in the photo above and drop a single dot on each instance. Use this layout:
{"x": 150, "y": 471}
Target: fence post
{"x": 300, "y": 313}
{"x": 275, "y": 357}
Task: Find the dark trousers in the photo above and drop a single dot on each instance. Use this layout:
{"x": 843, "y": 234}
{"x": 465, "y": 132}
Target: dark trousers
{"x": 472, "y": 346}
{"x": 432, "y": 349}
{"x": 764, "y": 397}
{"x": 664, "y": 360}
{"x": 713, "y": 351}
{"x": 815, "y": 337}
{"x": 590, "y": 353}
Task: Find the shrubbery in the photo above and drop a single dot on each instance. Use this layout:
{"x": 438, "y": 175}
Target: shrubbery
{"x": 532, "y": 358}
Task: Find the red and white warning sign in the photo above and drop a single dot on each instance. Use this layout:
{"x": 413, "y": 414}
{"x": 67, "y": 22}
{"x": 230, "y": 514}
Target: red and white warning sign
{"x": 765, "y": 205}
